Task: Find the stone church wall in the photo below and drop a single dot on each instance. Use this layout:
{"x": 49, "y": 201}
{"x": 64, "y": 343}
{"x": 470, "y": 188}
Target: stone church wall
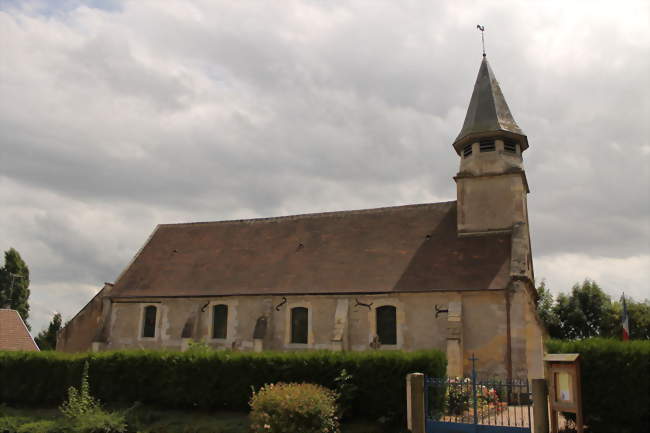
{"x": 476, "y": 324}
{"x": 79, "y": 333}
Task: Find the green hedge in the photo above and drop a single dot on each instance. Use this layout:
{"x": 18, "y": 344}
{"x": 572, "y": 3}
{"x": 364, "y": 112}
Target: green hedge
{"x": 615, "y": 386}
{"x": 211, "y": 380}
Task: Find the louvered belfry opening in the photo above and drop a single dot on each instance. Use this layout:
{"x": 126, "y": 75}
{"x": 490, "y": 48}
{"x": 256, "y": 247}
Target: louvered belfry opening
{"x": 510, "y": 145}
{"x": 487, "y": 145}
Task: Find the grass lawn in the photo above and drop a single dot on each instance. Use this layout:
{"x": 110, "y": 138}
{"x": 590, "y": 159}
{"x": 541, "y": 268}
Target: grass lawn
{"x": 148, "y": 420}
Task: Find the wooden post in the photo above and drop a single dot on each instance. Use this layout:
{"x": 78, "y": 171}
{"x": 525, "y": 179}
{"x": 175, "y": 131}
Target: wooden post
{"x": 415, "y": 402}
{"x": 540, "y": 406}
{"x": 578, "y": 384}
{"x": 554, "y": 421}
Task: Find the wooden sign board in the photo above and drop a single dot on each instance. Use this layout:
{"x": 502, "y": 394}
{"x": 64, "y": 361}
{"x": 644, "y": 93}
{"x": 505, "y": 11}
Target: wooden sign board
{"x": 563, "y": 377}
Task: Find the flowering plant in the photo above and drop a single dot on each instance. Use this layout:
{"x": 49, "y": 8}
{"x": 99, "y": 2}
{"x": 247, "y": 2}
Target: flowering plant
{"x": 459, "y": 401}
{"x": 294, "y": 408}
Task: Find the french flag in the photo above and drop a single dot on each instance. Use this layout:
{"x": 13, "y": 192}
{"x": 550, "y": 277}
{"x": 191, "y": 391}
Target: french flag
{"x": 625, "y": 321}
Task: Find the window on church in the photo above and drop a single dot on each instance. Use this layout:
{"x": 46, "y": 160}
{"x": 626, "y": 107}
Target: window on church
{"x": 487, "y": 145}
{"x": 510, "y": 146}
{"x": 467, "y": 150}
{"x": 387, "y": 324}
{"x": 220, "y": 321}
{"x": 299, "y": 325}
{"x": 149, "y": 323}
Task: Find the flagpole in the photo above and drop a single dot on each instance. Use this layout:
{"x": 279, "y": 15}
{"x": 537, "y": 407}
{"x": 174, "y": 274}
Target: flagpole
{"x": 625, "y": 320}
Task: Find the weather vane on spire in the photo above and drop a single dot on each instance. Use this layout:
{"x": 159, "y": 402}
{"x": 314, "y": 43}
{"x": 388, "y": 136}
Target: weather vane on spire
{"x": 482, "y": 29}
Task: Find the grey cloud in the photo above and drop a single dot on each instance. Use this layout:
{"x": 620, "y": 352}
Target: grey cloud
{"x": 167, "y": 112}
{"x": 58, "y": 8}
{"x": 107, "y": 59}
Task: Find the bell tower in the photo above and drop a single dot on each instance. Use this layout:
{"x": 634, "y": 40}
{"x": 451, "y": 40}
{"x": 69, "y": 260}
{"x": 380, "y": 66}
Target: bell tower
{"x": 491, "y": 183}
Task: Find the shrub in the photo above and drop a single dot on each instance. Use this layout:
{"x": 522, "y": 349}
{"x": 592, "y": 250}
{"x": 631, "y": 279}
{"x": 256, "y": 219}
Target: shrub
{"x": 140, "y": 420}
{"x": 9, "y": 424}
{"x": 96, "y": 421}
{"x": 213, "y": 380}
{"x": 294, "y": 408}
{"x": 13, "y": 422}
{"x": 346, "y": 391}
{"x": 42, "y": 426}
{"x": 82, "y": 413}
{"x": 614, "y": 382}
{"x": 80, "y": 402}
{"x": 198, "y": 347}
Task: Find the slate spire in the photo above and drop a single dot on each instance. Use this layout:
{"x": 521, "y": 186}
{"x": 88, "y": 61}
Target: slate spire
{"x": 488, "y": 113}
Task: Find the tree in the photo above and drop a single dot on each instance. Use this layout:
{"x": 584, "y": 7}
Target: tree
{"x": 639, "y": 313}
{"x": 46, "y": 339}
{"x": 589, "y": 312}
{"x": 14, "y": 284}
{"x": 586, "y": 312}
{"x": 639, "y": 319}
{"x": 546, "y": 312}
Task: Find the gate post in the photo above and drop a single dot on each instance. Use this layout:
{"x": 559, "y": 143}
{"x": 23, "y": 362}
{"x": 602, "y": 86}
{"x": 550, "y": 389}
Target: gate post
{"x": 540, "y": 405}
{"x": 415, "y": 402}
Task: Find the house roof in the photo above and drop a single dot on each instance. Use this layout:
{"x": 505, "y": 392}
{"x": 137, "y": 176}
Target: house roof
{"x": 411, "y": 248}
{"x": 488, "y": 111}
{"x": 14, "y": 334}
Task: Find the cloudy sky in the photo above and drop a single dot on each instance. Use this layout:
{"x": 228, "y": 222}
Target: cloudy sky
{"x": 119, "y": 115}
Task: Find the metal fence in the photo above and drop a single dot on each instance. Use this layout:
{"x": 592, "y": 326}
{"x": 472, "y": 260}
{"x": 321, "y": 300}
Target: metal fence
{"x": 477, "y": 405}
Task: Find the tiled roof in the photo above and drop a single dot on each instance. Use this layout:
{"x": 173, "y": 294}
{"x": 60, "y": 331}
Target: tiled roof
{"x": 14, "y": 335}
{"x": 397, "y": 249}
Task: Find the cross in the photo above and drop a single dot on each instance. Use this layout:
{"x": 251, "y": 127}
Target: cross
{"x": 482, "y": 29}
{"x": 473, "y": 359}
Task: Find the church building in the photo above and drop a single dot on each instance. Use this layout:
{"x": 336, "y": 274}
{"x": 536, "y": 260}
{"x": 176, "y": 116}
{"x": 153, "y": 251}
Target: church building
{"x": 455, "y": 276}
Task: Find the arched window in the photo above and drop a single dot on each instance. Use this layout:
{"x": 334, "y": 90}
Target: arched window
{"x": 299, "y": 325}
{"x": 149, "y": 322}
{"x": 220, "y": 321}
{"x": 387, "y": 324}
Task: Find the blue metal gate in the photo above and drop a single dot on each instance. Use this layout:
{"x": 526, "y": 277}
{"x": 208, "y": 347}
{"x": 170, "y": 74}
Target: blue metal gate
{"x": 471, "y": 405}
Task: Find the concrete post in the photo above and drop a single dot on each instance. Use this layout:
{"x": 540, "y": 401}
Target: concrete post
{"x": 540, "y": 406}
{"x": 415, "y": 402}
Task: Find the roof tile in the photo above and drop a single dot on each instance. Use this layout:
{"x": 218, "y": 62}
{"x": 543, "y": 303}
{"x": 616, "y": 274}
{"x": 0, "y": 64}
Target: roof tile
{"x": 395, "y": 249}
{"x": 14, "y": 335}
